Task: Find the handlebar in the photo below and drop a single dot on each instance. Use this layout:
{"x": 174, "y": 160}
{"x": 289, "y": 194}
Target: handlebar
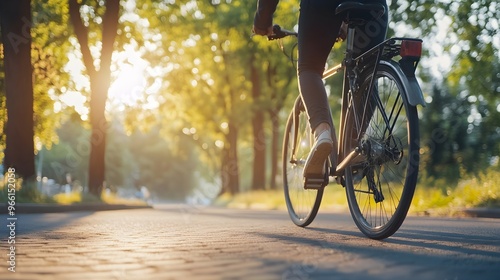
{"x": 280, "y": 33}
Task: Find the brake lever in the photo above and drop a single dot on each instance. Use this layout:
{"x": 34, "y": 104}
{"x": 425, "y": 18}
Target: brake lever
{"x": 280, "y": 33}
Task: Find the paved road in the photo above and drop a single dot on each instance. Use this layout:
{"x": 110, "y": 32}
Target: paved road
{"x": 184, "y": 242}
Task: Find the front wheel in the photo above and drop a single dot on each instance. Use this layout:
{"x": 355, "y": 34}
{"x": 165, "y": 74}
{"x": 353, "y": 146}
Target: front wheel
{"x": 380, "y": 187}
{"x": 302, "y": 204}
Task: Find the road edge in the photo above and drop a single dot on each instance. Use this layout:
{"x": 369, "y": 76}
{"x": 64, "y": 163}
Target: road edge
{"x": 31, "y": 208}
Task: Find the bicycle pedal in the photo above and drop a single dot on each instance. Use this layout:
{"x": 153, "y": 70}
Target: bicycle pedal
{"x": 314, "y": 183}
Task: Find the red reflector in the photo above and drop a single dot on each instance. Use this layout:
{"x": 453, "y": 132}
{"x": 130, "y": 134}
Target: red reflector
{"x": 411, "y": 48}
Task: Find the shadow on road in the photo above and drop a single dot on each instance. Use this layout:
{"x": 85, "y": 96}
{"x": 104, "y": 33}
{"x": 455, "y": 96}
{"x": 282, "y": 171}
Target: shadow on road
{"x": 466, "y": 244}
{"x": 25, "y": 223}
{"x": 421, "y": 249}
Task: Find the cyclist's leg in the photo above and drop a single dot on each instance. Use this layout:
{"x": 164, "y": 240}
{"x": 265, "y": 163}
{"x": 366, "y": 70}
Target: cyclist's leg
{"x": 318, "y": 29}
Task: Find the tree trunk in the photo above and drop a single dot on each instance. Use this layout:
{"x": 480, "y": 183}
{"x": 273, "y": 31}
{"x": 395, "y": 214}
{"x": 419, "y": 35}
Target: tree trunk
{"x": 230, "y": 175}
{"x": 275, "y": 147}
{"x": 98, "y": 122}
{"x": 19, "y": 129}
{"x": 99, "y": 84}
{"x": 278, "y": 94}
{"x": 259, "y": 136}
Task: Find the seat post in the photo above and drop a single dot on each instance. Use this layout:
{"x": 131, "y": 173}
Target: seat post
{"x": 350, "y": 39}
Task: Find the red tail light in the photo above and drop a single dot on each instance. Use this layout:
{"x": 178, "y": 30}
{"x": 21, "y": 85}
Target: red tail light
{"x": 411, "y": 48}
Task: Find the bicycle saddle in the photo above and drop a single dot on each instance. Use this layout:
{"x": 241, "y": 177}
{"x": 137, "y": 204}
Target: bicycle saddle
{"x": 376, "y": 10}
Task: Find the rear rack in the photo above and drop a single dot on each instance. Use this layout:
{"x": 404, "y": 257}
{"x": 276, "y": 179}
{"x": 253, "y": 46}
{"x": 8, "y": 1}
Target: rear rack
{"x": 390, "y": 48}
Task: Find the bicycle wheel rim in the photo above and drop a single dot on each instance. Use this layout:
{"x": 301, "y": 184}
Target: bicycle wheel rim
{"x": 302, "y": 204}
{"x": 390, "y": 165}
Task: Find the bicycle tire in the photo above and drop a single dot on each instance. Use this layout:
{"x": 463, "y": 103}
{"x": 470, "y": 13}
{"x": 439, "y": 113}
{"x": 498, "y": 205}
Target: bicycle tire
{"x": 302, "y": 204}
{"x": 388, "y": 170}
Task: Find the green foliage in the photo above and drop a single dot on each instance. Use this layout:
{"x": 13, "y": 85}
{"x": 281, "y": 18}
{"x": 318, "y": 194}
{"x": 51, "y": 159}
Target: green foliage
{"x": 480, "y": 191}
{"x": 26, "y": 192}
{"x": 440, "y": 197}
{"x": 205, "y": 90}
{"x": 69, "y": 156}
{"x": 444, "y": 135}
{"x": 119, "y": 163}
{"x": 3, "y": 106}
{"x": 141, "y": 159}
{"x": 49, "y": 46}
{"x": 460, "y": 125}
{"x": 165, "y": 167}
{"x": 432, "y": 196}
{"x": 206, "y": 50}
{"x": 3, "y": 115}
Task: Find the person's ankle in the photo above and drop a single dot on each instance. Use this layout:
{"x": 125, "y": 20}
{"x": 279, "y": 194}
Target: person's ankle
{"x": 320, "y": 128}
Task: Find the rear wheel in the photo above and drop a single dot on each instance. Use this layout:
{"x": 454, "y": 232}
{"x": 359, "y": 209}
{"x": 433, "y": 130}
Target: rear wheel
{"x": 302, "y": 204}
{"x": 380, "y": 186}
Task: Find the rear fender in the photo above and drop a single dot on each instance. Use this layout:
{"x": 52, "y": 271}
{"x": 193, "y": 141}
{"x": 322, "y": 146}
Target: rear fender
{"x": 414, "y": 93}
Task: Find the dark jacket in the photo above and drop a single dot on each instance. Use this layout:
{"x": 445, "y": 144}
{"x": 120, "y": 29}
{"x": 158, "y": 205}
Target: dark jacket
{"x": 264, "y": 14}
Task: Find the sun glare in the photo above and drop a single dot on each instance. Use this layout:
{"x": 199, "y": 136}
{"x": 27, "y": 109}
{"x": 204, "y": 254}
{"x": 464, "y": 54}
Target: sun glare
{"x": 129, "y": 85}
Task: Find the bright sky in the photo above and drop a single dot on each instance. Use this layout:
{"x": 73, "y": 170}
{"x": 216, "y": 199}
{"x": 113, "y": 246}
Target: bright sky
{"x": 439, "y": 62}
{"x": 128, "y": 75}
{"x": 129, "y": 85}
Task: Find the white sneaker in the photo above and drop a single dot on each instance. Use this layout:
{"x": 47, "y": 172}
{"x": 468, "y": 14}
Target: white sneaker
{"x": 315, "y": 163}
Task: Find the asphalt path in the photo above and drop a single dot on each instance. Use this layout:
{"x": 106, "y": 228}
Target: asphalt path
{"x": 188, "y": 242}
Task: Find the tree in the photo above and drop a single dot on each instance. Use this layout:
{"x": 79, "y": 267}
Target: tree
{"x": 3, "y": 108}
{"x": 205, "y": 89}
{"x": 282, "y": 87}
{"x": 277, "y": 82}
{"x": 272, "y": 81}
{"x": 49, "y": 45}
{"x": 445, "y": 134}
{"x": 70, "y": 154}
{"x": 15, "y": 19}
{"x": 472, "y": 78}
{"x": 259, "y": 136}
{"x": 100, "y": 79}
{"x": 215, "y": 80}
{"x": 165, "y": 166}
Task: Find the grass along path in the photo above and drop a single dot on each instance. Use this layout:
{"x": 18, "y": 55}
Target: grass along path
{"x": 431, "y": 198}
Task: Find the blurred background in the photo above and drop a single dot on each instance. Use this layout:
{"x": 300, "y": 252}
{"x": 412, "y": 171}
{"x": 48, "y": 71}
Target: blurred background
{"x": 184, "y": 104}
